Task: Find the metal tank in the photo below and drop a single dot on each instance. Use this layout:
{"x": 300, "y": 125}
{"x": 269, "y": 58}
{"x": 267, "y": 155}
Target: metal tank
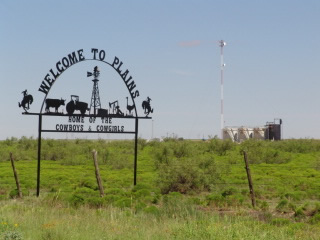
{"x": 273, "y": 130}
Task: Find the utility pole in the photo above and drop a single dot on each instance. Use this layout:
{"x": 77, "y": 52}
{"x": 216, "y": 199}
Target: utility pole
{"x": 222, "y": 65}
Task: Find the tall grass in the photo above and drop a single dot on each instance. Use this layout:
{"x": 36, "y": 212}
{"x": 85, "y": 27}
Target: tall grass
{"x": 35, "y": 219}
{"x": 180, "y": 184}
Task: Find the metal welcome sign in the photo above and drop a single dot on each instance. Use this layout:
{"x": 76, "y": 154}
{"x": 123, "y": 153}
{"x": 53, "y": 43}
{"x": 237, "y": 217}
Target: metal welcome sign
{"x": 87, "y": 117}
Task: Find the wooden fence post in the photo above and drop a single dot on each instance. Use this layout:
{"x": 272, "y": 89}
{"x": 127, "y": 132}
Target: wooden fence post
{"x": 253, "y": 199}
{"x": 94, "y": 154}
{"x": 16, "y": 176}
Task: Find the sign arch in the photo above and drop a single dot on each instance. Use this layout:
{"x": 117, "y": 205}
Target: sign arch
{"x": 77, "y": 57}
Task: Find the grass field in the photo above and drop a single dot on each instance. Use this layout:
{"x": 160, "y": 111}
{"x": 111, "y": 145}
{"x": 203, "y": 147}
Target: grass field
{"x": 186, "y": 190}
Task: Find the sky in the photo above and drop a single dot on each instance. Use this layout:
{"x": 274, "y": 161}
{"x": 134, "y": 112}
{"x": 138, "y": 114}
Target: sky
{"x": 171, "y": 50}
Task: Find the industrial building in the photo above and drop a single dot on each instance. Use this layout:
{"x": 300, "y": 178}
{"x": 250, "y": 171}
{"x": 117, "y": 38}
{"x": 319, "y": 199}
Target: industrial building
{"x": 271, "y": 131}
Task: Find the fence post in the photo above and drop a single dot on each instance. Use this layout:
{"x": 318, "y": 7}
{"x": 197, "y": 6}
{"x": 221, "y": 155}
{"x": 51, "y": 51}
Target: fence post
{"x": 253, "y": 199}
{"x": 94, "y": 154}
{"x": 16, "y": 176}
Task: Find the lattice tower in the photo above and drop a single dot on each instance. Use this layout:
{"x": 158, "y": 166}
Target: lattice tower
{"x": 95, "y": 99}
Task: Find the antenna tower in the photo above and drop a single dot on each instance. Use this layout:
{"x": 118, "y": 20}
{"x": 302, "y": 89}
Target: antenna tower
{"x": 95, "y": 98}
{"x": 222, "y": 44}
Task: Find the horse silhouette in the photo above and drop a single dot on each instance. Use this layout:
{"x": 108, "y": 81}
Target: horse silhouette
{"x": 146, "y": 106}
{"x": 26, "y": 101}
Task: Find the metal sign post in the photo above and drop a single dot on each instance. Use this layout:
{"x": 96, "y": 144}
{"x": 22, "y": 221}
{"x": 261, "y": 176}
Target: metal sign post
{"x": 135, "y": 152}
{"x": 39, "y": 154}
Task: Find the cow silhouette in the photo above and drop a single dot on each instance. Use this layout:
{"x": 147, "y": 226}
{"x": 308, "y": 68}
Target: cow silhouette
{"x": 54, "y": 103}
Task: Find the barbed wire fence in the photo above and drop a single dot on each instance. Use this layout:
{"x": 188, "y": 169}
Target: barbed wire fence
{"x": 85, "y": 172}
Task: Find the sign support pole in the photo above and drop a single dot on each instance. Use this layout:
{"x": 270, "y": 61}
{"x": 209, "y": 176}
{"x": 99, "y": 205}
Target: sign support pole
{"x": 39, "y": 154}
{"x": 135, "y": 153}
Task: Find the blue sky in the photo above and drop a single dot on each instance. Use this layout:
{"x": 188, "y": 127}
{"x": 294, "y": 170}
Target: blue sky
{"x": 170, "y": 47}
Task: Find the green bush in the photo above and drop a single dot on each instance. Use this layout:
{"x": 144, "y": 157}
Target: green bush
{"x": 141, "y": 186}
{"x": 220, "y": 147}
{"x": 142, "y": 193}
{"x": 109, "y": 199}
{"x": 163, "y": 155}
{"x": 123, "y": 203}
{"x": 120, "y": 161}
{"x": 14, "y": 193}
{"x": 140, "y": 206}
{"x": 115, "y": 191}
{"x": 89, "y": 183}
{"x": 95, "y": 201}
{"x": 298, "y": 145}
{"x": 80, "y": 196}
{"x": 216, "y": 200}
{"x": 151, "y": 210}
{"x": 188, "y": 175}
{"x": 264, "y": 152}
{"x": 182, "y": 149}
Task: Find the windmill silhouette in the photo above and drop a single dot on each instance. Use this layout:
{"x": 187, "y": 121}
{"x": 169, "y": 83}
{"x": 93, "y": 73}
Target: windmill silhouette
{"x": 95, "y": 98}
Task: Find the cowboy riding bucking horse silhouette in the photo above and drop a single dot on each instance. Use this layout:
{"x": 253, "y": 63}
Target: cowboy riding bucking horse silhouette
{"x": 146, "y": 106}
{"x": 26, "y": 101}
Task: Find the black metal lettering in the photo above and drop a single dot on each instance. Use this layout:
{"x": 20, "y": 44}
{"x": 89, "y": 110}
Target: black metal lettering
{"x": 124, "y": 75}
{"x": 94, "y": 51}
{"x": 81, "y": 128}
{"x": 135, "y": 94}
{"x": 55, "y": 75}
{"x": 102, "y": 55}
{"x": 44, "y": 88}
{"x": 57, "y": 127}
{"x": 131, "y": 86}
{"x": 58, "y": 67}
{"x": 122, "y": 128}
{"x": 76, "y": 119}
{"x": 128, "y": 79}
{"x": 118, "y": 68}
{"x": 48, "y": 80}
{"x": 72, "y": 58}
{"x": 65, "y": 62}
{"x": 115, "y": 62}
{"x": 81, "y": 57}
